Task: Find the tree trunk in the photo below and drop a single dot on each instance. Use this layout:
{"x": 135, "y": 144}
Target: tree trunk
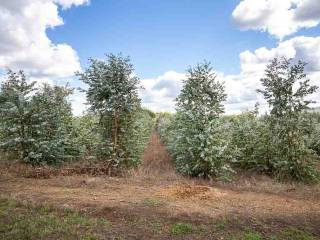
{"x": 115, "y": 131}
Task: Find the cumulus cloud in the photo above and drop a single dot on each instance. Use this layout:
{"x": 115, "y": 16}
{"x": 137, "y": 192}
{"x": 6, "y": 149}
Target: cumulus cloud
{"x": 241, "y": 88}
{"x": 69, "y": 3}
{"x": 158, "y": 93}
{"x": 278, "y": 17}
{"x": 24, "y": 43}
{"x": 308, "y": 10}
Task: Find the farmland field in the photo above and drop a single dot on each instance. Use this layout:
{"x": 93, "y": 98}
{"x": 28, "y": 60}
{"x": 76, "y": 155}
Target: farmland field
{"x": 154, "y": 202}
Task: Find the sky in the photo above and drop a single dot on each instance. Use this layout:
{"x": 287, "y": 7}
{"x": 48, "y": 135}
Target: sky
{"x": 53, "y": 39}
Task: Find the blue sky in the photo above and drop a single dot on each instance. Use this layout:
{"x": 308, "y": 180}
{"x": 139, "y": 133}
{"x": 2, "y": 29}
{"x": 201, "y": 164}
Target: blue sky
{"x": 51, "y": 39}
{"x": 159, "y": 35}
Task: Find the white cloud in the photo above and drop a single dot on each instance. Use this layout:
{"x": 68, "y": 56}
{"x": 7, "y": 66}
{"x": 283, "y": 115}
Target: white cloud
{"x": 241, "y": 88}
{"x": 69, "y": 3}
{"x": 308, "y": 10}
{"x": 24, "y": 43}
{"x": 78, "y": 103}
{"x": 160, "y": 92}
{"x": 278, "y": 17}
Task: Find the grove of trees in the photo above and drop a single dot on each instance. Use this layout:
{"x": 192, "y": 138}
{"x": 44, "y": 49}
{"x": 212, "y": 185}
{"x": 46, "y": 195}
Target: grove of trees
{"x": 113, "y": 98}
{"x": 37, "y": 125}
{"x": 283, "y": 143}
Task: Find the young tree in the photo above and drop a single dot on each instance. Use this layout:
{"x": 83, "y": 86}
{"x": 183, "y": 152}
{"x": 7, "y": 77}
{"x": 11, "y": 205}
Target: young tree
{"x": 52, "y": 126}
{"x": 35, "y": 123}
{"x": 113, "y": 95}
{"x": 16, "y": 112}
{"x": 285, "y": 89}
{"x": 199, "y": 144}
{"x": 251, "y": 141}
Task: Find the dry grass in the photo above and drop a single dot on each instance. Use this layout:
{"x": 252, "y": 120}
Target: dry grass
{"x": 196, "y": 192}
{"x": 155, "y": 195}
{"x": 124, "y": 199}
{"x": 157, "y": 163}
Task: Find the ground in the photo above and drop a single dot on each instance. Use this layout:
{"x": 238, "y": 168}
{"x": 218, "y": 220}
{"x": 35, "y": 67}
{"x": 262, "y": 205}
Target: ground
{"x": 154, "y": 202}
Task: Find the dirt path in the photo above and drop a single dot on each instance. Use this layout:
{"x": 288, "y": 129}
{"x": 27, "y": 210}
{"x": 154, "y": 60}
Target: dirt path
{"x": 156, "y": 193}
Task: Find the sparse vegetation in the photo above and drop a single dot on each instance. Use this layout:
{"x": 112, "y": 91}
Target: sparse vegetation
{"x": 294, "y": 234}
{"x": 182, "y": 229}
{"x": 152, "y": 202}
{"x": 251, "y": 236}
{"x": 26, "y": 221}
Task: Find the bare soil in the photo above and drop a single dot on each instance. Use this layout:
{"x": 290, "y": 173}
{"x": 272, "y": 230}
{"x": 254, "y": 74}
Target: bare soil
{"x": 147, "y": 202}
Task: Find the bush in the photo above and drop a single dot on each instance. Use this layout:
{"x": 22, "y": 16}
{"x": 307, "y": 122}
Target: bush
{"x": 250, "y": 140}
{"x": 94, "y": 145}
{"x": 35, "y": 123}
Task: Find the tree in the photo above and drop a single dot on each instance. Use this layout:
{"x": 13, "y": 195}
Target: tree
{"x": 285, "y": 89}
{"x": 16, "y": 112}
{"x": 52, "y": 126}
{"x": 199, "y": 144}
{"x": 113, "y": 95}
{"x": 250, "y": 141}
{"x": 35, "y": 123}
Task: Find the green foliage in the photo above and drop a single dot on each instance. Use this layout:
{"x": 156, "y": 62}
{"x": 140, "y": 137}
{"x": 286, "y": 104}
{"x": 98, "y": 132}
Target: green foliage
{"x": 113, "y": 96}
{"x": 182, "y": 229}
{"x": 285, "y": 89}
{"x": 251, "y": 142}
{"x": 135, "y": 136}
{"x": 16, "y": 111}
{"x": 284, "y": 143}
{"x": 196, "y": 135}
{"x": 52, "y": 126}
{"x": 164, "y": 126}
{"x": 87, "y": 135}
{"x": 201, "y": 150}
{"x": 311, "y": 128}
{"x": 35, "y": 123}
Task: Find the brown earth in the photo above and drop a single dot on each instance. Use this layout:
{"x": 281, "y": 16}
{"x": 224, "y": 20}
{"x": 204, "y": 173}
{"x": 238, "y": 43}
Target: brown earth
{"x": 155, "y": 194}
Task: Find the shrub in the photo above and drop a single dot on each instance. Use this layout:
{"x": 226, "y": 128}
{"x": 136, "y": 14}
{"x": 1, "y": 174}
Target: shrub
{"x": 35, "y": 123}
{"x": 251, "y": 142}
